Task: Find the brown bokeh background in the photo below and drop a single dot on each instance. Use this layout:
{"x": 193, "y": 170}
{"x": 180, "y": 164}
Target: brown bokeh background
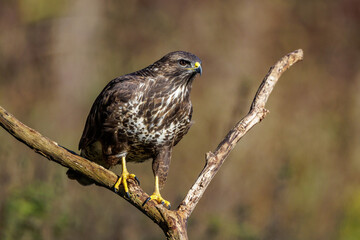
{"x": 296, "y": 175}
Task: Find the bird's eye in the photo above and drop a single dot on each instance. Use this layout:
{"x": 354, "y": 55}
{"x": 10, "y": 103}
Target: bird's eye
{"x": 183, "y": 62}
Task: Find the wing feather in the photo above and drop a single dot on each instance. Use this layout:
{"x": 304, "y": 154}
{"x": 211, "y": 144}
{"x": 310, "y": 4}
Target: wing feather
{"x": 117, "y": 92}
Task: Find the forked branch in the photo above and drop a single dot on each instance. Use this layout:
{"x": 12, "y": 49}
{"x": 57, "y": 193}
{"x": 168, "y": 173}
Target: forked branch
{"x": 173, "y": 222}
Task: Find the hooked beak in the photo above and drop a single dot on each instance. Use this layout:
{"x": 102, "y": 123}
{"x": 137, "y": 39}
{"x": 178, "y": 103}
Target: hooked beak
{"x": 197, "y": 68}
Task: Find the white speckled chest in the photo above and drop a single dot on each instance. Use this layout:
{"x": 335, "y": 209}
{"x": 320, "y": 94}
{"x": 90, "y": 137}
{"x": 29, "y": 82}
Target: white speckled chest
{"x": 146, "y": 120}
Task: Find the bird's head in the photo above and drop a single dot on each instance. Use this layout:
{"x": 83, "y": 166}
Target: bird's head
{"x": 180, "y": 65}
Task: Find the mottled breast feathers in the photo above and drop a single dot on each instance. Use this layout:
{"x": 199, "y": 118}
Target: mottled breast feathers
{"x": 139, "y": 113}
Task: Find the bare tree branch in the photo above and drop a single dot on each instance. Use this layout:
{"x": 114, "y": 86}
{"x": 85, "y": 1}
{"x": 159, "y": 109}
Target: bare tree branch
{"x": 173, "y": 222}
{"x": 66, "y": 158}
{"x": 257, "y": 112}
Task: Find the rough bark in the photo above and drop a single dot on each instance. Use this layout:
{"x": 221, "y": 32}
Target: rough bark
{"x": 173, "y": 222}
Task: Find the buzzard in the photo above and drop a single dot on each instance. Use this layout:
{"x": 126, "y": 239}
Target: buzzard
{"x": 140, "y": 116}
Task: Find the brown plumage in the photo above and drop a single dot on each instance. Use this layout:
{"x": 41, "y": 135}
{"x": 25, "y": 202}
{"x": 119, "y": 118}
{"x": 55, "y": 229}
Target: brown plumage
{"x": 142, "y": 115}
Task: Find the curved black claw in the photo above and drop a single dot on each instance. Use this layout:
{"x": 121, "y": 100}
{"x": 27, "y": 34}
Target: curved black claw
{"x": 157, "y": 198}
{"x": 128, "y": 195}
{"x": 137, "y": 180}
{"x": 168, "y": 206}
{"x": 149, "y": 198}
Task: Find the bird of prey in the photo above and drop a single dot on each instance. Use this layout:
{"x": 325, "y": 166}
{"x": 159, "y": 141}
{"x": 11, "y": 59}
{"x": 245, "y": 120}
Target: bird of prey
{"x": 140, "y": 116}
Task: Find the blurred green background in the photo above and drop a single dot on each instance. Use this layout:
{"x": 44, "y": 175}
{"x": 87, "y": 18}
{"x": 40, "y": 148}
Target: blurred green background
{"x": 296, "y": 175}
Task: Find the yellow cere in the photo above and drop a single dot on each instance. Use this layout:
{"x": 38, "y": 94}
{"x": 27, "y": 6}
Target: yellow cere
{"x": 197, "y": 64}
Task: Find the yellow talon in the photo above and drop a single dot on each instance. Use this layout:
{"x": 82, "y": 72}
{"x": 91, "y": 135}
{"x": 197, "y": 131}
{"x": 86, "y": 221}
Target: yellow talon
{"x": 157, "y": 196}
{"x": 125, "y": 175}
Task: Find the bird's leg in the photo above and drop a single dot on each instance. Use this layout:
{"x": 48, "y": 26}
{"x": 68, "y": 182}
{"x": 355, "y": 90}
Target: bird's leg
{"x": 157, "y": 196}
{"x": 125, "y": 175}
